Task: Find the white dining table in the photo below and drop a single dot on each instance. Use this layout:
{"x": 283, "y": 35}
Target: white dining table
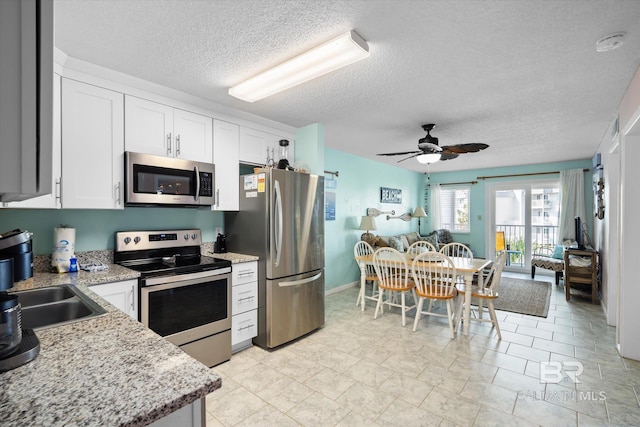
{"x": 465, "y": 268}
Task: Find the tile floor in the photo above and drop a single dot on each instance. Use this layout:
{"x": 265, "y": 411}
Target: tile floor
{"x": 357, "y": 371}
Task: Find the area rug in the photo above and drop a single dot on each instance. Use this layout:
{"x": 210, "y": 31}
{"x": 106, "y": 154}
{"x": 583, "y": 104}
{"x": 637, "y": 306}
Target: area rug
{"x": 530, "y": 297}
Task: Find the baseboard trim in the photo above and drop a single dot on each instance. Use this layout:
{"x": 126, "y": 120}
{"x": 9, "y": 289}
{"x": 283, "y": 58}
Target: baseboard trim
{"x": 342, "y": 288}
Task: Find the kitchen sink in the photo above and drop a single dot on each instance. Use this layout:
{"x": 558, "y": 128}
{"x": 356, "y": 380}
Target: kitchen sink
{"x": 55, "y": 306}
{"x": 44, "y": 295}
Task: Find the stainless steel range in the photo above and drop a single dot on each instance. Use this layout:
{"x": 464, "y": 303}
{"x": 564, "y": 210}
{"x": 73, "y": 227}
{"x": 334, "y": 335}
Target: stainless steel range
{"x": 183, "y": 296}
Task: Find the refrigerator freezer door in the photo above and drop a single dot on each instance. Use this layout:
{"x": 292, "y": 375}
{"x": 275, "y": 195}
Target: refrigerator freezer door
{"x": 294, "y": 307}
{"x": 296, "y": 217}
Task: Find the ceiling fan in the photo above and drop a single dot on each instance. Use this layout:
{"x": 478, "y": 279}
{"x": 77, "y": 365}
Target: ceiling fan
{"x": 429, "y": 151}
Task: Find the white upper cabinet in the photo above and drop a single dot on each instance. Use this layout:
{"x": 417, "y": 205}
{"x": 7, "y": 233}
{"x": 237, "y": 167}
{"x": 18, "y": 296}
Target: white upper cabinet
{"x": 50, "y": 201}
{"x": 258, "y": 147}
{"x": 155, "y": 128}
{"x": 92, "y": 146}
{"x": 226, "y": 146}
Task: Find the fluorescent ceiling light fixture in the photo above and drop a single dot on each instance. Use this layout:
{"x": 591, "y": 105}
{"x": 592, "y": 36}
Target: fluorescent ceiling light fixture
{"x": 336, "y": 53}
{"x": 428, "y": 158}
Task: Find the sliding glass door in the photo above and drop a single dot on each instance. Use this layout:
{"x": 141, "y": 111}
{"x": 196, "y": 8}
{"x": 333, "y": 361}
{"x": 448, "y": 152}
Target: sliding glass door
{"x": 522, "y": 218}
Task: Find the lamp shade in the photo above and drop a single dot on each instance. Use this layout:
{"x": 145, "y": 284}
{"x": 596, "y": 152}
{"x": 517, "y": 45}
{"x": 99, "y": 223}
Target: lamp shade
{"x": 428, "y": 158}
{"x": 367, "y": 223}
{"x": 419, "y": 212}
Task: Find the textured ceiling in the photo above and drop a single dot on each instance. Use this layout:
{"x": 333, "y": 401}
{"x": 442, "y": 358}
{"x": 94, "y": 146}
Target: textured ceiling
{"x": 521, "y": 76}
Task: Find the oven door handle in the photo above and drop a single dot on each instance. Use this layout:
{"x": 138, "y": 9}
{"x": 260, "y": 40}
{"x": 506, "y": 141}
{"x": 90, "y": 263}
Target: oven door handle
{"x": 171, "y": 280}
{"x": 300, "y": 282}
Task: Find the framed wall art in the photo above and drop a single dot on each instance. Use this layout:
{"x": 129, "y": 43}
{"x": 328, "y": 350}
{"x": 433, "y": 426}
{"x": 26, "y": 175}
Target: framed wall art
{"x": 390, "y": 195}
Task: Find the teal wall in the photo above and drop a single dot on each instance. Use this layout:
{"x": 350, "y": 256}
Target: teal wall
{"x": 309, "y": 148}
{"x": 476, "y": 237}
{"x": 358, "y": 188}
{"x": 95, "y": 228}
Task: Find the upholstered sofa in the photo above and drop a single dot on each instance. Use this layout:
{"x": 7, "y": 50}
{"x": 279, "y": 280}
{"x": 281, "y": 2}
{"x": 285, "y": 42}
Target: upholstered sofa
{"x": 401, "y": 242}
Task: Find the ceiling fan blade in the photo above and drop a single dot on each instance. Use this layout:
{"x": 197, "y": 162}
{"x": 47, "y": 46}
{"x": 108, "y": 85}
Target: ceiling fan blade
{"x": 417, "y": 153}
{"x": 403, "y": 153}
{"x": 465, "y": 148}
{"x": 448, "y": 156}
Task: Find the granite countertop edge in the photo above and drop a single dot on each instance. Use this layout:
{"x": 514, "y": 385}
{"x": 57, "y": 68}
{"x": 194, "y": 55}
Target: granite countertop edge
{"x": 166, "y": 379}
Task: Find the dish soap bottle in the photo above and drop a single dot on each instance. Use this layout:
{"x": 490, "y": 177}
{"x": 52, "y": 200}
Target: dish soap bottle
{"x": 73, "y": 265}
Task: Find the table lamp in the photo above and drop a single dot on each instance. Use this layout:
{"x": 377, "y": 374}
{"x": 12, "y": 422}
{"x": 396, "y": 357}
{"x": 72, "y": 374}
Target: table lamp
{"x": 419, "y": 213}
{"x": 367, "y": 223}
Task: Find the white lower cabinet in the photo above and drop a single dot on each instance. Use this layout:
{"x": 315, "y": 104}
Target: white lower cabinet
{"x": 244, "y": 305}
{"x": 123, "y": 295}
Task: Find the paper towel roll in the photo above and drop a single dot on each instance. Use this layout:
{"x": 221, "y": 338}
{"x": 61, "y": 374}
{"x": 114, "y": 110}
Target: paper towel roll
{"x": 64, "y": 243}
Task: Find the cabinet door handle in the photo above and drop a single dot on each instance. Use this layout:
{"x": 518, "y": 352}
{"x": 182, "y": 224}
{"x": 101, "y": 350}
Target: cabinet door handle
{"x": 118, "y": 193}
{"x": 177, "y": 145}
{"x": 169, "y": 143}
{"x": 131, "y": 299}
{"x": 58, "y": 201}
{"x": 218, "y": 198}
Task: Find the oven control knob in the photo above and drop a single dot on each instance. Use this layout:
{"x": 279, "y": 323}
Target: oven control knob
{"x": 186, "y": 236}
{"x": 194, "y": 236}
{"x": 136, "y": 239}
{"x": 127, "y": 240}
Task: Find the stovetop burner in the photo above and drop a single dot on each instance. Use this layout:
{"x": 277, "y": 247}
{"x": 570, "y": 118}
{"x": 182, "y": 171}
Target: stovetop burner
{"x": 163, "y": 253}
{"x": 163, "y": 268}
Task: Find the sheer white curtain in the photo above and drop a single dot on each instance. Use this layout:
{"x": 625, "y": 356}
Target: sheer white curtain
{"x": 571, "y": 202}
{"x": 436, "y": 213}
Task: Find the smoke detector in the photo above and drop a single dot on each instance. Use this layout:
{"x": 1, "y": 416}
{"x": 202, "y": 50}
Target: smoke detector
{"x": 610, "y": 42}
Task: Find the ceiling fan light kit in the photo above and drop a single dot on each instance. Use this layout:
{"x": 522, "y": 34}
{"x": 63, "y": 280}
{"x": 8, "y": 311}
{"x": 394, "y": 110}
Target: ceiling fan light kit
{"x": 336, "y": 53}
{"x": 428, "y": 158}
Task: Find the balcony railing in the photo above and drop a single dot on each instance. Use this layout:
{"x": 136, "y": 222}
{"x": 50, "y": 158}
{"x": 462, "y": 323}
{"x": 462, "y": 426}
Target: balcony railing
{"x": 543, "y": 238}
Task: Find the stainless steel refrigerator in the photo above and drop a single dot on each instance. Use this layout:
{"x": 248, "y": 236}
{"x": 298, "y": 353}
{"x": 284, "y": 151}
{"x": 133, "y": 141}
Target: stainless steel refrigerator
{"x": 281, "y": 220}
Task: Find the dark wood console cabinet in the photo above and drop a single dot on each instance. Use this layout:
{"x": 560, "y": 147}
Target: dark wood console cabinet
{"x": 581, "y": 276}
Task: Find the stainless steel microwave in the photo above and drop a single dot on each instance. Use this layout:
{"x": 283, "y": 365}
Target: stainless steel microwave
{"x": 165, "y": 181}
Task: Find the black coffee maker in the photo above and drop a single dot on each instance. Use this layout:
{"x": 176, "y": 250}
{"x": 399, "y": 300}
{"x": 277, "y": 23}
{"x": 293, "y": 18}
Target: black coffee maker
{"x": 220, "y": 245}
{"x": 17, "y": 346}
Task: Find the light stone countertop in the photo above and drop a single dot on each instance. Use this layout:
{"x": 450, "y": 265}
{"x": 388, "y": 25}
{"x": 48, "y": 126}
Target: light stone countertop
{"x": 109, "y": 370}
{"x": 235, "y": 258}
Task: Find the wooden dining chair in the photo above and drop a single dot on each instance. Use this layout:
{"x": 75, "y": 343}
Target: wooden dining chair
{"x": 435, "y": 277}
{"x": 487, "y": 292}
{"x": 393, "y": 279}
{"x": 419, "y": 247}
{"x": 457, "y": 250}
{"x": 363, "y": 248}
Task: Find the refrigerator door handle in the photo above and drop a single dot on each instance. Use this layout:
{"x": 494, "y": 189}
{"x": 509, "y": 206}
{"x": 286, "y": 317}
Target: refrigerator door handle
{"x": 300, "y": 282}
{"x": 278, "y": 222}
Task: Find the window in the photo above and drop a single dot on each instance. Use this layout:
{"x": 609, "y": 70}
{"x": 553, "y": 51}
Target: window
{"x": 454, "y": 208}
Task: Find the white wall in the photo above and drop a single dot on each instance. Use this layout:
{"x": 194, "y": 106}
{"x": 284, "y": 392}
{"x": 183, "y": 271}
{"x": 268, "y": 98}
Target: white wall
{"x": 606, "y": 233}
{"x": 628, "y": 328}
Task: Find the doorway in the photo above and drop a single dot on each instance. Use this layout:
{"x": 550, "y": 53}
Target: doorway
{"x": 523, "y": 219}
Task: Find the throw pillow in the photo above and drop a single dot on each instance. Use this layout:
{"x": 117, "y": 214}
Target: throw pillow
{"x": 396, "y": 243}
{"x": 412, "y": 237}
{"x": 383, "y": 241}
{"x": 433, "y": 239}
{"x": 558, "y": 252}
{"x": 405, "y": 242}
